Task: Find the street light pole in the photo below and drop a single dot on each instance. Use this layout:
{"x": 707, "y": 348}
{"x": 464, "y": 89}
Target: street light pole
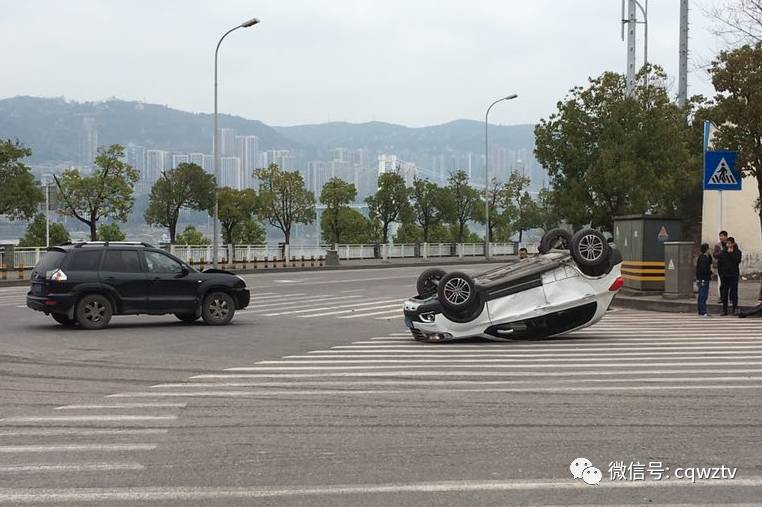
{"x": 245, "y": 24}
{"x": 486, "y": 171}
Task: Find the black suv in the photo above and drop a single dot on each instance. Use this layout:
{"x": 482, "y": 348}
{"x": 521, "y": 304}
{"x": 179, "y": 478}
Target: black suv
{"x": 86, "y": 283}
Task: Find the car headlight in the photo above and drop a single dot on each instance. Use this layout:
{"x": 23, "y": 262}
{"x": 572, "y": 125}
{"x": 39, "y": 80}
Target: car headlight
{"x": 427, "y": 317}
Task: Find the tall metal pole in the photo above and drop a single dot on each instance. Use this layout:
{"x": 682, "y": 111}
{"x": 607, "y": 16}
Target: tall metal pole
{"x": 47, "y": 214}
{"x": 216, "y": 146}
{"x": 486, "y": 171}
{"x": 631, "y": 27}
{"x": 682, "y": 86}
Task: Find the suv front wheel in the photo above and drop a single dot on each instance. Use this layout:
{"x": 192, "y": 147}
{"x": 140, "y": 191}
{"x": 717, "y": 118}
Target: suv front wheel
{"x": 218, "y": 309}
{"x": 94, "y": 311}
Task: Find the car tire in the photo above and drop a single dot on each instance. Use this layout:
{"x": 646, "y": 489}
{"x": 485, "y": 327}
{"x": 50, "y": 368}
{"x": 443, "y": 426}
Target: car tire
{"x": 457, "y": 291}
{"x": 590, "y": 249}
{"x": 94, "y": 311}
{"x": 187, "y": 317}
{"x": 63, "y": 319}
{"x": 428, "y": 281}
{"x": 555, "y": 239}
{"x": 218, "y": 309}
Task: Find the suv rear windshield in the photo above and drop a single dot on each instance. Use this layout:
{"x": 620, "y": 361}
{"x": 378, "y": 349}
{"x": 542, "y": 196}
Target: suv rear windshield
{"x": 49, "y": 261}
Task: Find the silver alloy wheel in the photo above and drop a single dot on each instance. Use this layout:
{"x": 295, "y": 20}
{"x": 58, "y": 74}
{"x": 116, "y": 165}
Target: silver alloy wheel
{"x": 591, "y": 247}
{"x": 457, "y": 291}
{"x": 218, "y": 309}
{"x": 94, "y": 311}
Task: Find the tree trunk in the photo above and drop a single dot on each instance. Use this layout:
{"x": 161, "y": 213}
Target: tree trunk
{"x": 172, "y": 232}
{"x": 521, "y": 235}
{"x": 462, "y": 225}
{"x": 93, "y": 230}
{"x": 386, "y": 233}
{"x": 287, "y": 235}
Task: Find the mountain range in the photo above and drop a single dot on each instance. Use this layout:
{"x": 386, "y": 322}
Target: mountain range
{"x": 53, "y": 127}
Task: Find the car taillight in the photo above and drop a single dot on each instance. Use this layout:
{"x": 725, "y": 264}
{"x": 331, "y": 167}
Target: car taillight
{"x": 56, "y": 275}
{"x": 618, "y": 284}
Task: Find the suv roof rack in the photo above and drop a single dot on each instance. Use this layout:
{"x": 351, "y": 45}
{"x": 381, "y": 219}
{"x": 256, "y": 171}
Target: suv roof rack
{"x": 107, "y": 243}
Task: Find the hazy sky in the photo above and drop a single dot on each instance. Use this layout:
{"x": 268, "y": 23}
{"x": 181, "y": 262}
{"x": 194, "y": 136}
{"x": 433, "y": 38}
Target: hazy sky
{"x": 415, "y": 62}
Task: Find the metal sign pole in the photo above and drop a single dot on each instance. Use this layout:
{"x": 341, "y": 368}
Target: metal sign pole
{"x": 47, "y": 215}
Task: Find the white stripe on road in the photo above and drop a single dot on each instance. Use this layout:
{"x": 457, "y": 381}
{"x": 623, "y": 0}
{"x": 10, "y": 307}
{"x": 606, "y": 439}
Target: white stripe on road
{"x": 529, "y": 352}
{"x": 395, "y": 305}
{"x": 345, "y": 305}
{"x": 164, "y": 494}
{"x": 14, "y": 449}
{"x": 427, "y": 390}
{"x": 89, "y": 418}
{"x": 398, "y": 311}
{"x": 75, "y": 467}
{"x": 121, "y": 405}
{"x": 301, "y": 303}
{"x": 80, "y": 431}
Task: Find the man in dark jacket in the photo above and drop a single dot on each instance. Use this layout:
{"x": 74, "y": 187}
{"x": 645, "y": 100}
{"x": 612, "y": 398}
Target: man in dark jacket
{"x": 756, "y": 311}
{"x": 728, "y": 268}
{"x": 703, "y": 277}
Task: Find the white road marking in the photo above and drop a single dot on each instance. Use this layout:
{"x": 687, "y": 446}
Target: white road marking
{"x": 427, "y": 390}
{"x": 345, "y": 311}
{"x": 163, "y": 494}
{"x": 14, "y": 449}
{"x": 89, "y": 418}
{"x": 75, "y": 467}
{"x": 255, "y": 298}
{"x": 354, "y": 290}
{"x": 344, "y": 305}
{"x": 80, "y": 431}
{"x": 122, "y": 405}
{"x": 317, "y": 300}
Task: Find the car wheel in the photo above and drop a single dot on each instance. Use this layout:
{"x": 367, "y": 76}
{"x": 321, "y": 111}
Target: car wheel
{"x": 428, "y": 281}
{"x": 218, "y": 309}
{"x": 62, "y": 318}
{"x": 187, "y": 317}
{"x": 456, "y": 291}
{"x": 590, "y": 248}
{"x": 94, "y": 311}
{"x": 555, "y": 239}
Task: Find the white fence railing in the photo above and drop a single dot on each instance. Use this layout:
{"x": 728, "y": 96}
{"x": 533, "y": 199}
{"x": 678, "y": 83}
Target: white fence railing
{"x": 195, "y": 254}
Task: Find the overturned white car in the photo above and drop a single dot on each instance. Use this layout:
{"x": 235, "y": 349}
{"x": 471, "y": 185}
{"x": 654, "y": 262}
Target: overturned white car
{"x": 569, "y": 285}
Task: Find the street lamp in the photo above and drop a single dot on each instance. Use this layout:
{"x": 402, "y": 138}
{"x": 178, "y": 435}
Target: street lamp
{"x": 486, "y": 171}
{"x": 245, "y": 24}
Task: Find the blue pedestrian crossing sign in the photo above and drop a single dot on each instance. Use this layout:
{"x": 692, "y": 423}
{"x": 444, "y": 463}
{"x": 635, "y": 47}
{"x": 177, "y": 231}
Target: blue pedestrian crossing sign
{"x": 720, "y": 171}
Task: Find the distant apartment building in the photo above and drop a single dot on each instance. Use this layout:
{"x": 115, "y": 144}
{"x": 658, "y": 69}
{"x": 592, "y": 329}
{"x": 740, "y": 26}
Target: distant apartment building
{"x": 318, "y": 174}
{"x": 247, "y": 150}
{"x": 156, "y": 164}
{"x": 179, "y": 158}
{"x": 88, "y": 141}
{"x": 230, "y": 173}
{"x": 135, "y": 157}
{"x": 283, "y": 158}
{"x": 196, "y": 158}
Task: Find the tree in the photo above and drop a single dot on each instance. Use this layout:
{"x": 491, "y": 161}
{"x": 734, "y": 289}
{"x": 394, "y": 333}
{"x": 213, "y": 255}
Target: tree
{"x": 737, "y": 78}
{"x": 496, "y": 219}
{"x": 520, "y": 211}
{"x": 248, "y": 232}
{"x": 354, "y": 226}
{"x": 284, "y": 200}
{"x": 20, "y": 195}
{"x": 390, "y": 202}
{"x": 739, "y": 21}
{"x": 191, "y": 236}
{"x": 611, "y": 154}
{"x": 35, "y": 234}
{"x": 466, "y": 203}
{"x": 236, "y": 207}
{"x": 110, "y": 232}
{"x": 106, "y": 193}
{"x": 186, "y": 186}
{"x": 336, "y": 194}
{"x": 548, "y": 217}
{"x": 432, "y": 205}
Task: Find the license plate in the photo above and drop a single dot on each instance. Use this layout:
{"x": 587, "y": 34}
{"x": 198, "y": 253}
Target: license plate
{"x": 409, "y": 323}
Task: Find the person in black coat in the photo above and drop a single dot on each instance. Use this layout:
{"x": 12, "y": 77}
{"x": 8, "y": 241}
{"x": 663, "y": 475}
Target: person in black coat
{"x": 728, "y": 268}
{"x": 703, "y": 277}
{"x": 756, "y": 311}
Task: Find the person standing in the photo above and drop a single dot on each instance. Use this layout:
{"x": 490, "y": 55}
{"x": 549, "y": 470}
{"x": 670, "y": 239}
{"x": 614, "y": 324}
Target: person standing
{"x": 728, "y": 268}
{"x": 703, "y": 277}
{"x": 719, "y": 247}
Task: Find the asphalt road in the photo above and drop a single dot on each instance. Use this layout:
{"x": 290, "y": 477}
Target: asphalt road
{"x": 316, "y": 396}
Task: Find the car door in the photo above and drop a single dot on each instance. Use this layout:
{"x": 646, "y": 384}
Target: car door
{"x": 122, "y": 271}
{"x": 172, "y": 288}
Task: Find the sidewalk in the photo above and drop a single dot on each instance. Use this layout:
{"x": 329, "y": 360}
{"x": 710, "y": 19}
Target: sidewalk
{"x": 748, "y": 294}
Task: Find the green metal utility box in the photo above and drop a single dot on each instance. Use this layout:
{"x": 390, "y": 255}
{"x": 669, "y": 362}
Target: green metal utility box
{"x": 641, "y": 240}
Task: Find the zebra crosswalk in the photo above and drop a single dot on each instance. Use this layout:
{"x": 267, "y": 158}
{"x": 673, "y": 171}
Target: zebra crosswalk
{"x": 627, "y": 351}
{"x": 345, "y": 305}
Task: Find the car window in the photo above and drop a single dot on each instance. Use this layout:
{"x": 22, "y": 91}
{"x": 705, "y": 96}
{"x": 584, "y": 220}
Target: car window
{"x": 84, "y": 260}
{"x": 121, "y": 261}
{"x": 160, "y": 263}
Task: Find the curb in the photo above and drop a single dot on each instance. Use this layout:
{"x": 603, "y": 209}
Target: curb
{"x": 298, "y": 269}
{"x": 665, "y": 305}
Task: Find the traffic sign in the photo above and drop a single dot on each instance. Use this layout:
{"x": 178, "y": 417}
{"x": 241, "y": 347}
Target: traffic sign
{"x": 720, "y": 172}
